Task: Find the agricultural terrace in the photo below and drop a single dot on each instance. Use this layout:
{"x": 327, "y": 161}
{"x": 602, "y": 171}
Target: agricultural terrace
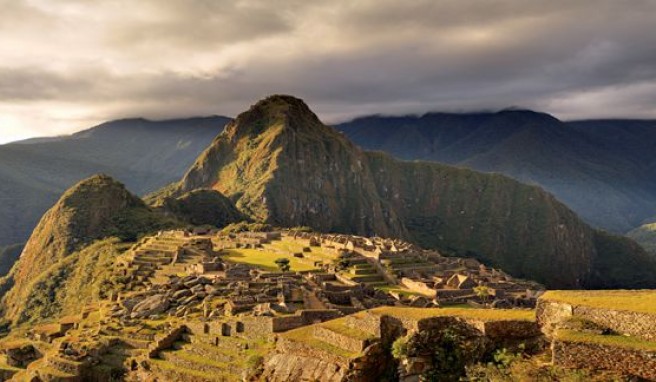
{"x": 285, "y": 248}
{"x": 642, "y": 301}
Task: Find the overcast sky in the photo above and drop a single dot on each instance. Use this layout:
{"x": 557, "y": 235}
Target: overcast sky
{"x": 69, "y": 64}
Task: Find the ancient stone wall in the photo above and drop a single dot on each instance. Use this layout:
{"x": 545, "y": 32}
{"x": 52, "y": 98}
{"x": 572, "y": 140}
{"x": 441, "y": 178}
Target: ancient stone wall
{"x": 289, "y": 367}
{"x": 341, "y": 341}
{"x": 643, "y": 325}
{"x": 166, "y": 341}
{"x": 418, "y": 287}
{"x": 595, "y": 356}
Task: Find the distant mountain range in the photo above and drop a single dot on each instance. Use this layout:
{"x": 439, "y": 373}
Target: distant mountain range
{"x": 605, "y": 170}
{"x": 143, "y": 154}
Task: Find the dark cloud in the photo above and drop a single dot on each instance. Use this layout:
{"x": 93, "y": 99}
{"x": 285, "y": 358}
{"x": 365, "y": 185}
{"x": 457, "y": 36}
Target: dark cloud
{"x": 107, "y": 59}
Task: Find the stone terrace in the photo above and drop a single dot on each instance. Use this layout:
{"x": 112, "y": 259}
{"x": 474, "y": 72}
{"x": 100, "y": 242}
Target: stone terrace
{"x": 606, "y": 330}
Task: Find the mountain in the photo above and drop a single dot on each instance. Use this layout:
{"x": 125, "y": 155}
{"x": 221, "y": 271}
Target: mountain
{"x": 645, "y": 235}
{"x": 279, "y": 164}
{"x": 204, "y": 207}
{"x": 602, "y": 169}
{"x": 96, "y": 208}
{"x": 144, "y": 154}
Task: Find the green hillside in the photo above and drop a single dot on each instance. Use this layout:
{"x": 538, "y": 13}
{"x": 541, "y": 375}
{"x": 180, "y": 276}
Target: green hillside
{"x": 645, "y": 235}
{"x": 96, "y": 208}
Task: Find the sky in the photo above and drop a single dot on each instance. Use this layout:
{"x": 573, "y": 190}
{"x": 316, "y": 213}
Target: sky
{"x": 66, "y": 65}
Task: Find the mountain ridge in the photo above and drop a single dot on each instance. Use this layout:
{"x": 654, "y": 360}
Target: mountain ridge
{"x": 610, "y": 182}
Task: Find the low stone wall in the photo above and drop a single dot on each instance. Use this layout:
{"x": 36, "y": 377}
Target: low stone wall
{"x": 287, "y": 346}
{"x": 64, "y": 365}
{"x": 339, "y": 340}
{"x": 289, "y": 367}
{"x": 166, "y": 341}
{"x": 642, "y": 325}
{"x": 452, "y": 293}
{"x": 368, "y": 323}
{"x": 511, "y": 329}
{"x": 302, "y": 318}
{"x": 419, "y": 287}
{"x": 340, "y": 298}
{"x": 595, "y": 356}
{"x": 283, "y": 324}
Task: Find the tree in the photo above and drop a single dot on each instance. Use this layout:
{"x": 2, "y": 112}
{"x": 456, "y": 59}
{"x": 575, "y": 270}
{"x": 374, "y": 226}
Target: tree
{"x": 283, "y": 264}
{"x": 482, "y": 292}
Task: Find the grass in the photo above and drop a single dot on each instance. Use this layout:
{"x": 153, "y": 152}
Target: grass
{"x": 266, "y": 259}
{"x": 607, "y": 340}
{"x": 305, "y": 335}
{"x": 642, "y": 301}
{"x": 292, "y": 246}
{"x": 478, "y": 314}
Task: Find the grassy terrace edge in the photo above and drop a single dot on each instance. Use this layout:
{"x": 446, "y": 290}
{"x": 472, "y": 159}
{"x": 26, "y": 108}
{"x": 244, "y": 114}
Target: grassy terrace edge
{"x": 615, "y": 340}
{"x": 639, "y": 301}
{"x": 477, "y": 314}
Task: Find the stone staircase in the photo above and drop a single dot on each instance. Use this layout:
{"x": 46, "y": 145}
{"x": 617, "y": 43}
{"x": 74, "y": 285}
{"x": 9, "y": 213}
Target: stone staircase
{"x": 203, "y": 358}
{"x": 151, "y": 259}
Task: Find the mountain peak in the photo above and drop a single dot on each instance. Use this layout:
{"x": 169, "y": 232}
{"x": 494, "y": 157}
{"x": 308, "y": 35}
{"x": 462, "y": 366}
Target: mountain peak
{"x": 280, "y": 110}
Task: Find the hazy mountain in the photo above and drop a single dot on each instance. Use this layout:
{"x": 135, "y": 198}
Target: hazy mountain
{"x": 645, "y": 235}
{"x": 143, "y": 154}
{"x": 279, "y": 164}
{"x": 604, "y": 170}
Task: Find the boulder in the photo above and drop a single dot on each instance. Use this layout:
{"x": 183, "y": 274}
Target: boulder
{"x": 152, "y": 305}
{"x": 182, "y": 294}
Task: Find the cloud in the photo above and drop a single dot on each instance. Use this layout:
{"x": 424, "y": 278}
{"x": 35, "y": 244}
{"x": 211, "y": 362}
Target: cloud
{"x": 69, "y": 63}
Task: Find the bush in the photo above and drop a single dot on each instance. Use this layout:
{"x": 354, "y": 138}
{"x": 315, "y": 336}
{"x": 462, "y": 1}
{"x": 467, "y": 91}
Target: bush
{"x": 400, "y": 348}
{"x": 283, "y": 264}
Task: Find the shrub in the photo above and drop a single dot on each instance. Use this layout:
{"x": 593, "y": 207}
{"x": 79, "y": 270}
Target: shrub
{"x": 400, "y": 348}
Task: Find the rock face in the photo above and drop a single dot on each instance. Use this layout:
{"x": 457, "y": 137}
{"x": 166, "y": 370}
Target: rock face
{"x": 152, "y": 305}
{"x": 281, "y": 165}
{"x": 95, "y": 208}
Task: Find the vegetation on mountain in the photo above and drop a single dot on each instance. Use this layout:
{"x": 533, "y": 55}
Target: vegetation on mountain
{"x": 143, "y": 154}
{"x": 337, "y": 187}
{"x": 645, "y": 235}
{"x": 96, "y": 208}
{"x": 604, "y": 170}
{"x": 204, "y": 207}
{"x": 77, "y": 280}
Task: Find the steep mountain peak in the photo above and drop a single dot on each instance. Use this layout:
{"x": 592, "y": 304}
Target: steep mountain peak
{"x": 95, "y": 208}
{"x": 99, "y": 186}
{"x": 287, "y": 112}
